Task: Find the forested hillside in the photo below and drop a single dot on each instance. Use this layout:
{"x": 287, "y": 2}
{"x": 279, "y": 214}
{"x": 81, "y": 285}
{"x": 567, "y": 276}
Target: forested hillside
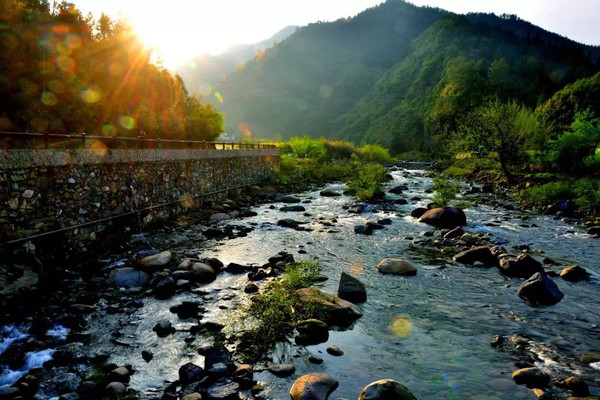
{"x": 398, "y": 75}
{"x": 62, "y": 72}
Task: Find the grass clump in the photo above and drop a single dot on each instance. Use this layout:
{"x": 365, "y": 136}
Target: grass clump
{"x": 272, "y": 315}
{"x": 583, "y": 193}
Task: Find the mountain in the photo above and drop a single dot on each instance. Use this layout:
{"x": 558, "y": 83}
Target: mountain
{"x": 202, "y": 73}
{"x": 397, "y": 74}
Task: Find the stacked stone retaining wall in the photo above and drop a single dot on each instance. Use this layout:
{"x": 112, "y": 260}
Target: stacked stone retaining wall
{"x": 46, "y": 190}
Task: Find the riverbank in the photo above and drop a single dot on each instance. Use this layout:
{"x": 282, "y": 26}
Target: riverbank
{"x": 440, "y": 322}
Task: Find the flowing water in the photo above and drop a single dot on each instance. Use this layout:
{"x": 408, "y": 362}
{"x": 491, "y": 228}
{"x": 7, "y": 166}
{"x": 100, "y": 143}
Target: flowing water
{"x": 430, "y": 332}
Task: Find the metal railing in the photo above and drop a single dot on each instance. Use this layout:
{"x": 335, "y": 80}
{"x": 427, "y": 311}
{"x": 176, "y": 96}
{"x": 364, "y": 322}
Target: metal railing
{"x": 29, "y": 140}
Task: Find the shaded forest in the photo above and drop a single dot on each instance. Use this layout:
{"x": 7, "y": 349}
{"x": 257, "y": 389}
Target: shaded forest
{"x": 63, "y": 72}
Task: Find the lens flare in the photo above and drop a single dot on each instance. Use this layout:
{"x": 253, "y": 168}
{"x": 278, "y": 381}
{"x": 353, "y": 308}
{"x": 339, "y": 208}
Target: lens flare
{"x": 63, "y": 48}
{"x": 401, "y": 326}
{"x": 99, "y": 148}
{"x": 60, "y": 30}
{"x": 65, "y": 63}
{"x": 126, "y": 122}
{"x": 219, "y": 97}
{"x": 56, "y": 86}
{"x": 49, "y": 99}
{"x": 244, "y": 128}
{"x": 109, "y": 130}
{"x": 91, "y": 94}
{"x": 115, "y": 69}
{"x": 73, "y": 41}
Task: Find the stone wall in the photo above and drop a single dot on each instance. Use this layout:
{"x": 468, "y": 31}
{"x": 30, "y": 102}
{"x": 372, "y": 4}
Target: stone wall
{"x": 46, "y": 190}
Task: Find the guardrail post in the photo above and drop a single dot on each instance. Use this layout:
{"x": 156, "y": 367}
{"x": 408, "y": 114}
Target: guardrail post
{"x": 83, "y": 139}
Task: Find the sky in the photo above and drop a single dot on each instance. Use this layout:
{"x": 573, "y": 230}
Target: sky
{"x": 179, "y": 29}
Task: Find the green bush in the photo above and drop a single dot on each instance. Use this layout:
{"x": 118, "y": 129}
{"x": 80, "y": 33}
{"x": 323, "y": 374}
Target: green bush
{"x": 542, "y": 195}
{"x": 374, "y": 153}
{"x": 367, "y": 183}
{"x": 338, "y": 150}
{"x": 444, "y": 191}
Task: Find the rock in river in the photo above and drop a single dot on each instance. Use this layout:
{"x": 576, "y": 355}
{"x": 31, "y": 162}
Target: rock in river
{"x": 351, "y": 289}
{"x": 539, "y": 289}
{"x": 531, "y": 377}
{"x": 311, "y": 331}
{"x": 156, "y": 261}
{"x": 127, "y": 278}
{"x": 446, "y": 217}
{"x": 521, "y": 266}
{"x": 330, "y": 193}
{"x": 316, "y": 386}
{"x": 282, "y": 370}
{"x": 386, "y": 389}
{"x": 396, "y": 266}
{"x": 481, "y": 254}
{"x": 336, "y": 312}
{"x": 191, "y": 372}
{"x": 574, "y": 273}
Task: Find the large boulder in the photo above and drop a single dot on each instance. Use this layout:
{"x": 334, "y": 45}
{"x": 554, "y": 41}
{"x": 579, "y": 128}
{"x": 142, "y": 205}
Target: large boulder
{"x": 156, "y": 261}
{"x": 444, "y": 217}
{"x": 539, "y": 289}
{"x": 329, "y": 193}
{"x": 191, "y": 372}
{"x": 481, "y": 254}
{"x": 396, "y": 266}
{"x": 351, "y": 289}
{"x": 202, "y": 272}
{"x": 418, "y": 212}
{"x": 316, "y": 386}
{"x": 336, "y": 311}
{"x": 219, "y": 217}
{"x": 289, "y": 199}
{"x": 127, "y": 278}
{"x": 386, "y": 389}
{"x": 521, "y": 266}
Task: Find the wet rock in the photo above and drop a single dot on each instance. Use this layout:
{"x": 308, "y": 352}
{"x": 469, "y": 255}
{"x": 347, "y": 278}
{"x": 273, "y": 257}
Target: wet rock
{"x": 213, "y": 233}
{"x": 163, "y": 328}
{"x": 127, "y": 278}
{"x": 397, "y": 189}
{"x": 418, "y": 212}
{"x": 336, "y": 311}
{"x": 330, "y": 193}
{"x": 147, "y": 355}
{"x": 81, "y": 309}
{"x": 203, "y": 273}
{"x": 156, "y": 261}
{"x": 292, "y": 209}
{"x": 9, "y": 393}
{"x": 219, "y": 217}
{"x": 385, "y": 221}
{"x": 311, "y": 331}
{"x": 187, "y": 309}
{"x": 539, "y": 289}
{"x": 497, "y": 341}
{"x": 223, "y": 389}
{"x": 351, "y": 289}
{"x": 120, "y": 374}
{"x": 289, "y": 223}
{"x": 191, "y": 372}
{"x": 315, "y": 386}
{"x": 164, "y": 288}
{"x": 251, "y": 287}
{"x": 291, "y": 199}
{"x": 386, "y": 389}
{"x": 282, "y": 370}
{"x": 69, "y": 396}
{"x": 314, "y": 359}
{"x": 335, "y": 351}
{"x": 396, "y": 266}
{"x": 482, "y": 254}
{"x": 531, "y": 377}
{"x": 446, "y": 217}
{"x": 244, "y": 375}
{"x": 594, "y": 230}
{"x": 363, "y": 229}
{"x": 577, "y": 386}
{"x": 234, "y": 268}
{"x": 192, "y": 396}
{"x": 521, "y": 266}
{"x": 115, "y": 389}
{"x": 215, "y": 356}
{"x": 574, "y": 273}
{"x": 454, "y": 233}
{"x": 215, "y": 263}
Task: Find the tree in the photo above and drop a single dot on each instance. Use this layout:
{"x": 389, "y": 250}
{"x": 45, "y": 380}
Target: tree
{"x": 498, "y": 131}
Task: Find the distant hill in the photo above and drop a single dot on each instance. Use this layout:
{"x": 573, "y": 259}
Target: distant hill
{"x": 397, "y": 74}
{"x": 202, "y": 73}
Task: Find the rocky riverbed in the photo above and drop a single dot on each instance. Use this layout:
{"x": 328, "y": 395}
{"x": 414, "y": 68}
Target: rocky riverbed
{"x": 486, "y": 311}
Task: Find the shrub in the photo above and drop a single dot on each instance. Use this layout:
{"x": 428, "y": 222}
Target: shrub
{"x": 374, "y": 153}
{"x": 338, "y": 150}
{"x": 367, "y": 183}
{"x": 444, "y": 191}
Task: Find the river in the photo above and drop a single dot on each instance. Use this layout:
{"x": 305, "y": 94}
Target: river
{"x": 431, "y": 331}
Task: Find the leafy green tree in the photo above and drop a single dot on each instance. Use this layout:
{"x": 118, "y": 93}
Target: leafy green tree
{"x": 497, "y": 131}
{"x": 573, "y": 152}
